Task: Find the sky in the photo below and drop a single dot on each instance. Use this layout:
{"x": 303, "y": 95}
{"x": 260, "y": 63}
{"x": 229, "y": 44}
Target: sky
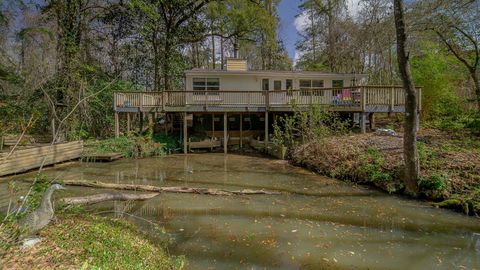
{"x": 291, "y": 24}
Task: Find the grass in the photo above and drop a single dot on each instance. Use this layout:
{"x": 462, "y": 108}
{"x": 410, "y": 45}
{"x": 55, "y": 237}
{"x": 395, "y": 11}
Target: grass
{"x": 91, "y": 242}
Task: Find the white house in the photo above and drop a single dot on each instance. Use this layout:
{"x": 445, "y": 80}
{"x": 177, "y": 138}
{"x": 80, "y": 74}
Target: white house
{"x": 238, "y": 78}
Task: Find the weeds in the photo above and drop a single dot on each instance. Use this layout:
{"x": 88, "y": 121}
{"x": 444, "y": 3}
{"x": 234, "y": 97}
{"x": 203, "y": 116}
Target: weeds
{"x": 309, "y": 125}
{"x": 132, "y": 147}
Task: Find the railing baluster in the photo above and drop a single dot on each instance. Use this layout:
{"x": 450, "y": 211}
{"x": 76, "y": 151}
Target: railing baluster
{"x": 363, "y": 92}
{"x": 392, "y": 101}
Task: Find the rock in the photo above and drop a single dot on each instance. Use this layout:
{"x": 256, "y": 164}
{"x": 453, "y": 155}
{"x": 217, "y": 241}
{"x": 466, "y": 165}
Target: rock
{"x": 30, "y": 242}
{"x": 385, "y": 132}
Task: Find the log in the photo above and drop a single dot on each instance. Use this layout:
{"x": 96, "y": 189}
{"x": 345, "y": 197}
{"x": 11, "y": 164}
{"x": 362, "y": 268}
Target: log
{"x": 97, "y": 198}
{"x": 205, "y": 191}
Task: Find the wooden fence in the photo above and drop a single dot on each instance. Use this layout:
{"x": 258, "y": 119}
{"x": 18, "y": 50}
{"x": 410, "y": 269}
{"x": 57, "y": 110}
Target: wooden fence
{"x": 32, "y": 158}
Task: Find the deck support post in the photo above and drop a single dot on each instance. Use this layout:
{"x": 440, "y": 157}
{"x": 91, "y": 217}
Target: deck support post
{"x": 241, "y": 130}
{"x": 117, "y": 125}
{"x": 266, "y": 129}
{"x": 213, "y": 125}
{"x": 141, "y": 122}
{"x": 225, "y": 142}
{"x": 417, "y": 127}
{"x": 150, "y": 120}
{"x": 371, "y": 118}
{"x": 128, "y": 123}
{"x": 185, "y": 149}
{"x": 363, "y": 122}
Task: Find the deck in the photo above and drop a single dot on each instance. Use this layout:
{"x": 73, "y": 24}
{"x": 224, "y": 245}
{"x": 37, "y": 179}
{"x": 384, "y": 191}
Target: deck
{"x": 350, "y": 99}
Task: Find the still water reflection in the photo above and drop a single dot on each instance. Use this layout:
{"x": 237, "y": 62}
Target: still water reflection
{"x": 319, "y": 223}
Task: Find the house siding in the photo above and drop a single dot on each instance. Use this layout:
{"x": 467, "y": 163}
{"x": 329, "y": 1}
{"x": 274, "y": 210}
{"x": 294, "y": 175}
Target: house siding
{"x": 253, "y": 82}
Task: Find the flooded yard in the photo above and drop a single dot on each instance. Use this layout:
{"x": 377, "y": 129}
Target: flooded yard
{"x": 316, "y": 223}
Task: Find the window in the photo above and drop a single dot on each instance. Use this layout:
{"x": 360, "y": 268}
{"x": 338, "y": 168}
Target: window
{"x": 289, "y": 84}
{"x": 307, "y": 85}
{"x": 204, "y": 84}
{"x": 337, "y": 83}
{"x": 277, "y": 85}
{"x": 265, "y": 84}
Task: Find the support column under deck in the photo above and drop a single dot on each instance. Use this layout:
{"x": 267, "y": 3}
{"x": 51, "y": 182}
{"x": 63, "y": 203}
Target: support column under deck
{"x": 225, "y": 142}
{"x": 117, "y": 125}
{"x": 185, "y": 149}
{"x": 141, "y": 122}
{"x": 363, "y": 122}
{"x": 417, "y": 127}
{"x": 266, "y": 129}
{"x": 128, "y": 123}
{"x": 371, "y": 118}
{"x": 241, "y": 130}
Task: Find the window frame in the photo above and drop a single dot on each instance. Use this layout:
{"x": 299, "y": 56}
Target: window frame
{"x": 201, "y": 85}
{"x": 305, "y": 90}
{"x": 334, "y": 81}
{"x": 267, "y": 84}
{"x": 275, "y": 85}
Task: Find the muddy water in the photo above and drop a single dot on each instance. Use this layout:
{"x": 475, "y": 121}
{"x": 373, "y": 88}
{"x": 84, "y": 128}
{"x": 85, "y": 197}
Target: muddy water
{"x": 320, "y": 223}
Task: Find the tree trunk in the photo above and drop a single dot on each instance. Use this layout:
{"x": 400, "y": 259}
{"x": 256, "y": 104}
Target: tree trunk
{"x": 476, "y": 84}
{"x": 222, "y": 53}
{"x": 235, "y": 47}
{"x": 156, "y": 64}
{"x": 167, "y": 51}
{"x": 213, "y": 48}
{"x": 97, "y": 198}
{"x": 412, "y": 166}
{"x": 331, "y": 37}
{"x": 205, "y": 191}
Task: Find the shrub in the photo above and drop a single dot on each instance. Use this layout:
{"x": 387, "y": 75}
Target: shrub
{"x": 432, "y": 183}
{"x": 127, "y": 146}
{"x": 305, "y": 126}
{"x": 170, "y": 143}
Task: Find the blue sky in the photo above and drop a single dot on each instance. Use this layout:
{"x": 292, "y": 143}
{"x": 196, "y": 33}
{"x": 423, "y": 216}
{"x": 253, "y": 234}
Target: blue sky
{"x": 290, "y": 24}
{"x": 288, "y": 9}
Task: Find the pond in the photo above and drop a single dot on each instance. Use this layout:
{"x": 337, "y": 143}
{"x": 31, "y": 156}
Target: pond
{"x": 316, "y": 223}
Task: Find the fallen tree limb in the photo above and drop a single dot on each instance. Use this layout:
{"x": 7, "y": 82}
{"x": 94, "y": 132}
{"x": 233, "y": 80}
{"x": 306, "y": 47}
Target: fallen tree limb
{"x": 205, "y": 191}
{"x": 97, "y": 198}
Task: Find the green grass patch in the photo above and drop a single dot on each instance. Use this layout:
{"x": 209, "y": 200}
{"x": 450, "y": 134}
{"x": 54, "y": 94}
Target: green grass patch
{"x": 92, "y": 242}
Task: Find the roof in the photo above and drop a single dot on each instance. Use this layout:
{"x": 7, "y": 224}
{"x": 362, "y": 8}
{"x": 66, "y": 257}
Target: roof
{"x": 293, "y": 73}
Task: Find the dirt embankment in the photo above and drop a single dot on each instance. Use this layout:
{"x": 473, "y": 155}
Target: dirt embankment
{"x": 450, "y": 164}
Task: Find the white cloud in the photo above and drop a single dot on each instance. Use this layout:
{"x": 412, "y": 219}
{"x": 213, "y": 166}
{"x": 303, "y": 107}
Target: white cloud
{"x": 297, "y": 56}
{"x": 301, "y": 21}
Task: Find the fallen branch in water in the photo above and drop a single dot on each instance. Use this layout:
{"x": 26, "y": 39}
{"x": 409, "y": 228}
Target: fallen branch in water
{"x": 205, "y": 191}
{"x": 97, "y": 198}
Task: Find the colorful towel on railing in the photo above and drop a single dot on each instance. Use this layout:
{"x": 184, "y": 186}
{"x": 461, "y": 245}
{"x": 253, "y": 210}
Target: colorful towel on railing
{"x": 345, "y": 97}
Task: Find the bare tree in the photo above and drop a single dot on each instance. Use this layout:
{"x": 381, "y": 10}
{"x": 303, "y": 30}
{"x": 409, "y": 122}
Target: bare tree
{"x": 457, "y": 25}
{"x": 410, "y": 152}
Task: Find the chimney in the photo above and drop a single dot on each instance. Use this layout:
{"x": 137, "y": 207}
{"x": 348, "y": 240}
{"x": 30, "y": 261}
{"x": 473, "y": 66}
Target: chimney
{"x": 235, "y": 64}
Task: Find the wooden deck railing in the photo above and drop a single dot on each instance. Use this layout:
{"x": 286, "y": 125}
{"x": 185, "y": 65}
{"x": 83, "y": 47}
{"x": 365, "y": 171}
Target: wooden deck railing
{"x": 359, "y": 98}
